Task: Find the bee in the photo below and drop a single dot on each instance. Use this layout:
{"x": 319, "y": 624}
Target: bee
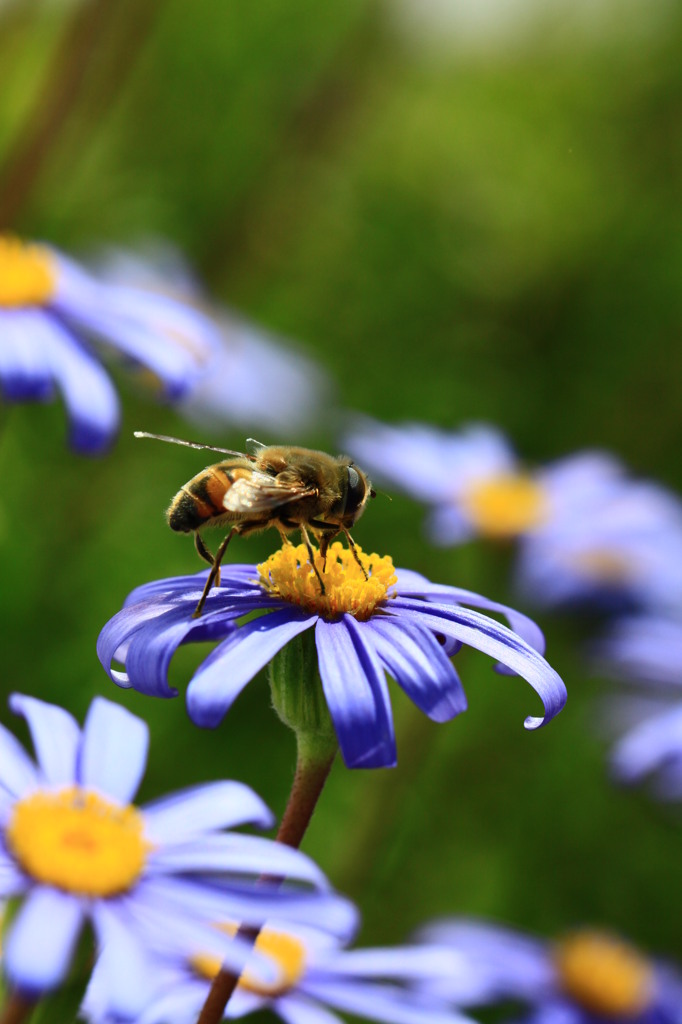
{"x": 276, "y": 486}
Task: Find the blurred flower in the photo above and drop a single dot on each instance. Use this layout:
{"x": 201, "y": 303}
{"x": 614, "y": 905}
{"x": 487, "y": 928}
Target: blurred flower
{"x": 587, "y": 532}
{"x": 394, "y": 621}
{"x": 50, "y": 311}
{"x": 77, "y": 850}
{"x": 646, "y": 651}
{"x": 586, "y": 977}
{"x": 256, "y": 380}
{"x": 311, "y": 972}
{"x": 622, "y": 551}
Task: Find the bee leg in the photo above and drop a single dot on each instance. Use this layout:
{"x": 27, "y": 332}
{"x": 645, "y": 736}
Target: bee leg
{"x": 353, "y": 547}
{"x": 214, "y": 574}
{"x": 280, "y": 530}
{"x": 202, "y": 550}
{"x": 324, "y": 540}
{"x": 306, "y": 541}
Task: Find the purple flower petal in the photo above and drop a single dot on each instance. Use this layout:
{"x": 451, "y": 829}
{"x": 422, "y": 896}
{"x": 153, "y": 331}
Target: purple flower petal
{"x": 488, "y": 636}
{"x": 414, "y": 584}
{"x": 221, "y": 679}
{"x": 202, "y": 808}
{"x": 237, "y": 854}
{"x": 420, "y": 666}
{"x": 385, "y": 1003}
{"x": 355, "y": 688}
{"x": 88, "y": 392}
{"x": 114, "y": 750}
{"x": 12, "y": 881}
{"x": 17, "y": 772}
{"x": 123, "y": 966}
{"x": 235, "y": 900}
{"x": 38, "y": 950}
{"x": 24, "y": 370}
{"x": 56, "y": 737}
{"x": 296, "y": 1009}
{"x": 650, "y": 745}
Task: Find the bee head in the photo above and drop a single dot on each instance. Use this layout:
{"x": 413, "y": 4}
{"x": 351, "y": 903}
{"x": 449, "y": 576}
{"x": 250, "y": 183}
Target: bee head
{"x": 358, "y": 490}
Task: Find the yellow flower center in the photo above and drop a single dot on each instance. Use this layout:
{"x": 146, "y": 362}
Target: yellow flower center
{"x": 505, "y": 506}
{"x": 603, "y": 974}
{"x": 604, "y": 566}
{"x": 27, "y": 274}
{"x": 77, "y": 841}
{"x": 288, "y": 575}
{"x": 286, "y": 952}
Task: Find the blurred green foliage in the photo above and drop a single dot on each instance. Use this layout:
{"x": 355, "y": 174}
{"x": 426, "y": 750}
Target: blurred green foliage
{"x": 495, "y": 236}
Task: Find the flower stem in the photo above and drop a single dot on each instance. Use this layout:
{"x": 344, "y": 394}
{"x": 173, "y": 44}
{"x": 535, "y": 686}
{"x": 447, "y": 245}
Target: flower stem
{"x": 314, "y": 761}
{"x": 17, "y": 1009}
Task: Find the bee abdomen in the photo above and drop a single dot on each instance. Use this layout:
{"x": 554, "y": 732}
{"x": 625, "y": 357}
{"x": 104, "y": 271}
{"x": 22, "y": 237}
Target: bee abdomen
{"x": 198, "y": 502}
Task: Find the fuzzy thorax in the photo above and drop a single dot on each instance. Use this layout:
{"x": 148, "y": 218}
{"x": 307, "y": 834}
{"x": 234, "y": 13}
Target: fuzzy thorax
{"x": 288, "y": 575}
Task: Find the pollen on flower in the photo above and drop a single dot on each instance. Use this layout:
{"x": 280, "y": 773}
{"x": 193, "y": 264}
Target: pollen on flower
{"x": 285, "y": 951}
{"x": 288, "y": 575}
{"x": 504, "y": 506}
{"x": 77, "y": 841}
{"x": 603, "y": 974}
{"x": 27, "y": 273}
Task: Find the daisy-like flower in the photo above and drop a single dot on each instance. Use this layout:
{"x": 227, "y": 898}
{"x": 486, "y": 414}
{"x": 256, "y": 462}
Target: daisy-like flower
{"x": 393, "y": 621}
{"x": 256, "y": 380}
{"x": 621, "y": 552}
{"x": 473, "y": 482}
{"x": 311, "y": 973}
{"x": 587, "y": 532}
{"x": 75, "y": 848}
{"x": 51, "y": 310}
{"x": 646, "y": 651}
{"x": 587, "y": 976}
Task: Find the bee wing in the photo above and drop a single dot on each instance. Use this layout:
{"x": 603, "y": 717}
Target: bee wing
{"x": 259, "y": 492}
{"x": 254, "y": 447}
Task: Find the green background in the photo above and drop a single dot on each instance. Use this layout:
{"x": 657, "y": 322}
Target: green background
{"x": 487, "y": 233}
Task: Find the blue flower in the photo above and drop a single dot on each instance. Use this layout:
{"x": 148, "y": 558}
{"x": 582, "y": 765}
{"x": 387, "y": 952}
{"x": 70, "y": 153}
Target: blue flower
{"x": 75, "y": 849}
{"x": 256, "y": 380}
{"x": 50, "y": 312}
{"x": 587, "y": 976}
{"x": 587, "y": 533}
{"x": 646, "y": 652}
{"x": 312, "y": 972}
{"x": 473, "y": 482}
{"x": 395, "y": 622}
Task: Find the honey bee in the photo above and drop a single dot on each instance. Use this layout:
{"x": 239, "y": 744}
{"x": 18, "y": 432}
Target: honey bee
{"x": 269, "y": 485}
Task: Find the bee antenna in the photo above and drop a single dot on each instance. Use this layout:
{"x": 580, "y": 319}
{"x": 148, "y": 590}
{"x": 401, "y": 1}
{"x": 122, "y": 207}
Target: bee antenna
{"x": 189, "y": 444}
{"x": 384, "y": 494}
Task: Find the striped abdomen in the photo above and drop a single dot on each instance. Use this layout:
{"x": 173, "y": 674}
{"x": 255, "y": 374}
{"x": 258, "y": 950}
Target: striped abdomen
{"x": 201, "y": 500}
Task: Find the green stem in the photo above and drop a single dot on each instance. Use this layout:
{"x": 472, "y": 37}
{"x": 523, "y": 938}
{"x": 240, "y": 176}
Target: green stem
{"x": 17, "y": 1009}
{"x": 314, "y": 761}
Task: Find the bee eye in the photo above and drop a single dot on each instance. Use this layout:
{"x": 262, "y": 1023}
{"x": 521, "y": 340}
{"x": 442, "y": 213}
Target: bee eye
{"x": 355, "y": 491}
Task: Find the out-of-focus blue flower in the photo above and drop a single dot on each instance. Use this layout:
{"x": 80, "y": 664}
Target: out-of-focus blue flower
{"x": 394, "y": 621}
{"x": 52, "y": 310}
{"x": 587, "y": 976}
{"x": 473, "y": 482}
{"x": 587, "y": 532}
{"x": 256, "y": 380}
{"x": 622, "y": 552}
{"x": 312, "y": 973}
{"x": 75, "y": 849}
{"x": 646, "y": 651}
